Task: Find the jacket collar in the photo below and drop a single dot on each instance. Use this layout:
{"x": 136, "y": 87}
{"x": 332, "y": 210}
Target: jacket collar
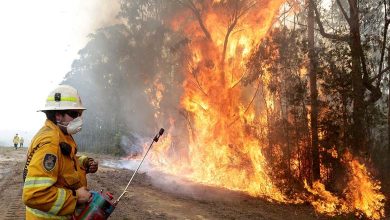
{"x": 63, "y": 137}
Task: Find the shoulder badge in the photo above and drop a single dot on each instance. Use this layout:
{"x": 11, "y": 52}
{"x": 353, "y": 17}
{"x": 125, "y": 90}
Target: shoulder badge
{"x": 49, "y": 162}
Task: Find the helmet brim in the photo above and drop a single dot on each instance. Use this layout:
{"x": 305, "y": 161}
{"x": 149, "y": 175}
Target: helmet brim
{"x": 59, "y": 109}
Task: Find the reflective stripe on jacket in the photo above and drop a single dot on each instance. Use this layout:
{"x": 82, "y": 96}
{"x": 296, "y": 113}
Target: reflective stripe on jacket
{"x": 49, "y": 187}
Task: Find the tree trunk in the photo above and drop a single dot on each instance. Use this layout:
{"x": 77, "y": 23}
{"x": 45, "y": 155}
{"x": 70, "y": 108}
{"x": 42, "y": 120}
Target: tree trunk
{"x": 284, "y": 109}
{"x": 313, "y": 95}
{"x": 388, "y": 107}
{"x": 388, "y": 120}
{"x": 358, "y": 129}
{"x": 344, "y": 129}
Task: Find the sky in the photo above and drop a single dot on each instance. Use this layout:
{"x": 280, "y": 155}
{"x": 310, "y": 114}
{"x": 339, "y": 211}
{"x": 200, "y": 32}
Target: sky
{"x": 39, "y": 41}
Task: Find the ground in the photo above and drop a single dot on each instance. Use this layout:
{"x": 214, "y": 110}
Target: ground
{"x": 147, "y": 198}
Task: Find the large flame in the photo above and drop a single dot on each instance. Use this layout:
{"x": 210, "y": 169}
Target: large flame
{"x": 361, "y": 196}
{"x": 224, "y": 147}
{"x": 223, "y": 152}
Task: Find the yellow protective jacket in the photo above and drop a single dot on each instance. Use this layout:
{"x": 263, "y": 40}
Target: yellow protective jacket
{"x": 16, "y": 140}
{"x": 52, "y": 175}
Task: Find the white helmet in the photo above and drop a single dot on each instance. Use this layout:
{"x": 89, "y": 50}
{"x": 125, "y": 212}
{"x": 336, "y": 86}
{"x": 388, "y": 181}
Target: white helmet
{"x": 64, "y": 97}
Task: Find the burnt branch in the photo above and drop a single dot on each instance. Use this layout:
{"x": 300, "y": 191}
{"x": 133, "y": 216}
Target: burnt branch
{"x": 194, "y": 72}
{"x": 240, "y": 8}
{"x": 191, "y": 5}
{"x": 238, "y": 81}
{"x": 285, "y": 13}
{"x": 344, "y": 12}
{"x": 186, "y": 116}
{"x": 374, "y": 95}
{"x": 250, "y": 103}
{"x": 375, "y": 90}
{"x": 385, "y": 69}
{"x": 317, "y": 16}
{"x": 379, "y": 76}
{"x": 380, "y": 71}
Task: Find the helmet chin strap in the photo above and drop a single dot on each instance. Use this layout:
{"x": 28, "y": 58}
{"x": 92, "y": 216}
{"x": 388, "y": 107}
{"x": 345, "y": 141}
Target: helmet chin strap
{"x": 72, "y": 127}
{"x": 62, "y": 127}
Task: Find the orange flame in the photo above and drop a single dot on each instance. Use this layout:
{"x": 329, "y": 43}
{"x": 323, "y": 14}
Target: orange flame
{"x": 361, "y": 196}
{"x": 363, "y": 192}
{"x": 155, "y": 95}
{"x": 222, "y": 152}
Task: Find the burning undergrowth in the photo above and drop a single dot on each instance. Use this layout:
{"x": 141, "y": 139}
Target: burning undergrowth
{"x": 361, "y": 194}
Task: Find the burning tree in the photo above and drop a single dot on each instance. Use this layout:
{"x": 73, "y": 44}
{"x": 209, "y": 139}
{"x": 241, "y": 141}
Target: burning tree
{"x": 230, "y": 129}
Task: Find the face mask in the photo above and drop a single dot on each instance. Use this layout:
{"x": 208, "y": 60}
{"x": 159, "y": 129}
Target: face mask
{"x": 73, "y": 126}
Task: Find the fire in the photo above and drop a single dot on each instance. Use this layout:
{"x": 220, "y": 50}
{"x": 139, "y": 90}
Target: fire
{"x": 155, "y": 95}
{"x": 224, "y": 148}
{"x": 222, "y": 154}
{"x": 361, "y": 196}
{"x": 363, "y": 192}
{"x": 324, "y": 201}
{"x": 221, "y": 151}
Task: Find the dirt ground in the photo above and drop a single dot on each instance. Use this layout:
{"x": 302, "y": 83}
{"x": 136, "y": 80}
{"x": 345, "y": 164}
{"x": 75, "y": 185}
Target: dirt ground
{"x": 167, "y": 198}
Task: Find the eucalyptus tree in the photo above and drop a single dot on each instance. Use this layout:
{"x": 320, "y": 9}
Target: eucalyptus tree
{"x": 115, "y": 68}
{"x": 364, "y": 29}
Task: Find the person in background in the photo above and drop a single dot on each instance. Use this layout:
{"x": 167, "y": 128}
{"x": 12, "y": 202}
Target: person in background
{"x": 16, "y": 141}
{"x": 55, "y": 183}
{"x": 21, "y": 141}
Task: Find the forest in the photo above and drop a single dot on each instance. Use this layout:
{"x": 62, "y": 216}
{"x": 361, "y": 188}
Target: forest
{"x": 288, "y": 97}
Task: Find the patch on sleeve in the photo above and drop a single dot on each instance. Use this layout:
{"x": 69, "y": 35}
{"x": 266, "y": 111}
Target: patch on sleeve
{"x": 49, "y": 162}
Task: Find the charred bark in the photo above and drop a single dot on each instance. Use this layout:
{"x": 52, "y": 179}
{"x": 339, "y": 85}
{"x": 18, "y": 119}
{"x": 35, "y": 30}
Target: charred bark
{"x": 313, "y": 95}
{"x": 388, "y": 109}
{"x": 191, "y": 5}
{"x": 358, "y": 130}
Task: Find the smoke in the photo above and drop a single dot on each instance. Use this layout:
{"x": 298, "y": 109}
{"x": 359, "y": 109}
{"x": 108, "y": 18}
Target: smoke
{"x": 40, "y": 40}
{"x": 128, "y": 80}
{"x": 180, "y": 186}
{"x": 132, "y": 145}
{"x": 87, "y": 16}
{"x": 128, "y": 164}
{"x": 175, "y": 184}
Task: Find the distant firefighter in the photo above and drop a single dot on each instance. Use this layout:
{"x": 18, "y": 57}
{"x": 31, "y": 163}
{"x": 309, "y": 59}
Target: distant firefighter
{"x": 16, "y": 141}
{"x": 21, "y": 141}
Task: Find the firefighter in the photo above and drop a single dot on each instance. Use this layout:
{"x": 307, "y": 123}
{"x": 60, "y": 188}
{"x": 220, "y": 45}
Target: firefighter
{"x": 21, "y": 141}
{"x": 16, "y": 141}
{"x": 54, "y": 177}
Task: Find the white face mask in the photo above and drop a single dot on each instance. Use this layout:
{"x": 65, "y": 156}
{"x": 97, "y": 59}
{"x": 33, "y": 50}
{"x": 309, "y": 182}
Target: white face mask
{"x": 73, "y": 126}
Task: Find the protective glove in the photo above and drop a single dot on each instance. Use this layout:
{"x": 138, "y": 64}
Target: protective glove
{"x": 92, "y": 165}
{"x": 83, "y": 195}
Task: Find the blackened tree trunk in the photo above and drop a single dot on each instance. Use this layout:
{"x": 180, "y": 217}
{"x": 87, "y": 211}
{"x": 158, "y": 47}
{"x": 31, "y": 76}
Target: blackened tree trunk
{"x": 388, "y": 109}
{"x": 360, "y": 82}
{"x": 313, "y": 94}
{"x": 358, "y": 129}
